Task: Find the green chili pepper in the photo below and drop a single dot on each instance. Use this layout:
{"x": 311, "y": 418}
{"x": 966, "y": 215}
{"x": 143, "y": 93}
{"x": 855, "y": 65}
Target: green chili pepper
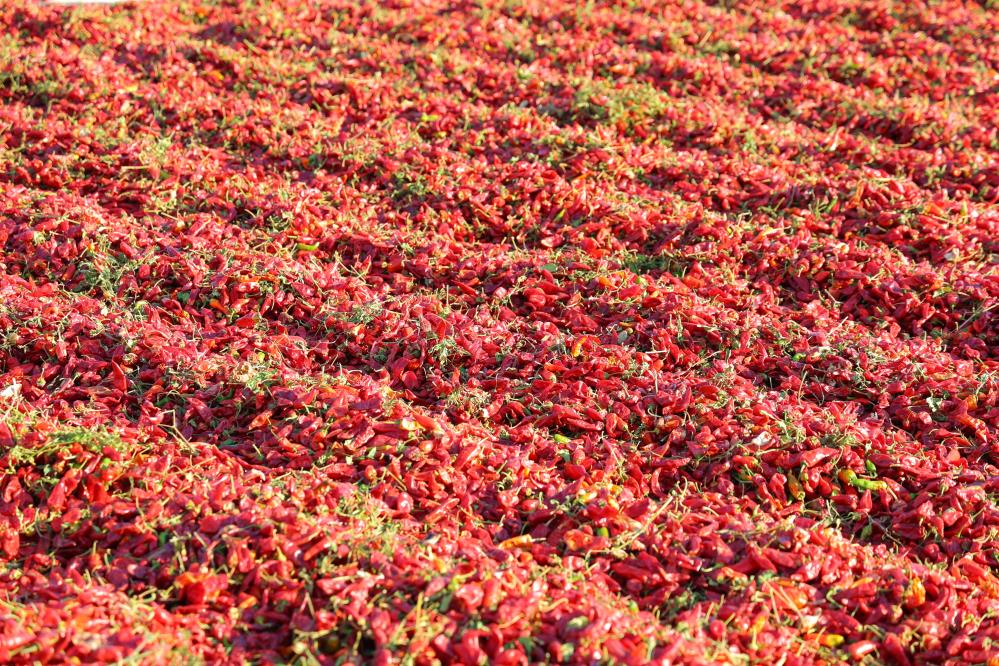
{"x": 850, "y": 477}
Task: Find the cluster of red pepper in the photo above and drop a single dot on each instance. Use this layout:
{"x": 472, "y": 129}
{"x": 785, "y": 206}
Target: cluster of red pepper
{"x": 499, "y": 332}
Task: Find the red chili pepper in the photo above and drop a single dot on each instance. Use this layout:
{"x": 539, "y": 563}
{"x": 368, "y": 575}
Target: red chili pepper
{"x": 860, "y": 649}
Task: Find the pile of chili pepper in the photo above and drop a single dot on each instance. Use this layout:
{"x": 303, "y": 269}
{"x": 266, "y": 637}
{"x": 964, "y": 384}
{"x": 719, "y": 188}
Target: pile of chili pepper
{"x": 499, "y": 332}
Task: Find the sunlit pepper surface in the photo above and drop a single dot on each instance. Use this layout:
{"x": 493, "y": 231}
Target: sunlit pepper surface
{"x": 499, "y": 332}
